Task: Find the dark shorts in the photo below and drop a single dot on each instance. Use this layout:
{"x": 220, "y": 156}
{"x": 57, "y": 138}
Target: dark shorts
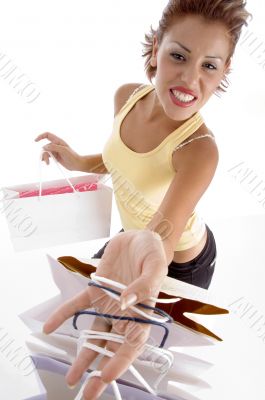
{"x": 198, "y": 272}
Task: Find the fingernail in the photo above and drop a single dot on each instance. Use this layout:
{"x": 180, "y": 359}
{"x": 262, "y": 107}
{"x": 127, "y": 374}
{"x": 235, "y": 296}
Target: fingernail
{"x": 128, "y": 301}
{"x": 71, "y": 386}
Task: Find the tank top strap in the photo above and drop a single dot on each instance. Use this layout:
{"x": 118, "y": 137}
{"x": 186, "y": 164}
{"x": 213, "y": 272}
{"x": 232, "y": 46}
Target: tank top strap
{"x": 184, "y": 131}
{"x": 139, "y": 92}
{"x": 138, "y": 89}
{"x": 178, "y": 135}
{"x": 210, "y": 135}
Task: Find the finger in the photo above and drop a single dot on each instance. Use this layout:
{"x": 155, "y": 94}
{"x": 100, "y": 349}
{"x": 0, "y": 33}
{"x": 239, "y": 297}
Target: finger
{"x": 87, "y": 356}
{"x": 46, "y": 157}
{"x": 148, "y": 284}
{"x": 50, "y": 136}
{"x": 55, "y": 148}
{"x": 135, "y": 339}
{"x": 136, "y": 336}
{"x": 95, "y": 386}
{"x": 68, "y": 309}
{"x": 141, "y": 289}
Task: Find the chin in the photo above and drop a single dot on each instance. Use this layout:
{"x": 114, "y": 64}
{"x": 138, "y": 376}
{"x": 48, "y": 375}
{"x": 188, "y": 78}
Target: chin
{"x": 180, "y": 114}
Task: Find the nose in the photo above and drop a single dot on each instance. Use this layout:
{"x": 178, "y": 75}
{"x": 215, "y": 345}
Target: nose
{"x": 190, "y": 75}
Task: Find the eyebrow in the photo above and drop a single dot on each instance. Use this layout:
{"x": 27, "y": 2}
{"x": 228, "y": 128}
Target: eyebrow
{"x": 189, "y": 51}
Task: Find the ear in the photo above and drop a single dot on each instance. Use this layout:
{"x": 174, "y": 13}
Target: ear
{"x": 153, "y": 60}
{"x": 227, "y": 66}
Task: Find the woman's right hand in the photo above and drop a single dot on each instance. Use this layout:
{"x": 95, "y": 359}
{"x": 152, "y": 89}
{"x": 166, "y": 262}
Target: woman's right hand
{"x": 137, "y": 259}
{"x": 61, "y": 151}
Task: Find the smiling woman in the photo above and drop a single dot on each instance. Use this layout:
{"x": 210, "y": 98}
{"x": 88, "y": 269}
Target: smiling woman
{"x": 161, "y": 157}
{"x": 157, "y": 120}
{"x": 232, "y": 15}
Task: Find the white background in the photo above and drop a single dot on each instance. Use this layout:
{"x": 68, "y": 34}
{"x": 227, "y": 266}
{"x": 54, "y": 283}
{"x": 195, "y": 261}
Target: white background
{"x": 77, "y": 54}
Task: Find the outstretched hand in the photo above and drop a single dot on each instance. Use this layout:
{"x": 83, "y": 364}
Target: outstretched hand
{"x": 137, "y": 259}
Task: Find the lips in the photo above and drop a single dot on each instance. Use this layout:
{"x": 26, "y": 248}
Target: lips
{"x": 184, "y": 90}
{"x": 180, "y": 103}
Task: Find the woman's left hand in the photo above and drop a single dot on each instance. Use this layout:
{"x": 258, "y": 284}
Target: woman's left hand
{"x": 136, "y": 258}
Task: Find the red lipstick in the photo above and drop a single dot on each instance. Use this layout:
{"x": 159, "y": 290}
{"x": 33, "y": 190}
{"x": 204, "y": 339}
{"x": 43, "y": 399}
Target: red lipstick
{"x": 179, "y": 102}
{"x": 184, "y": 90}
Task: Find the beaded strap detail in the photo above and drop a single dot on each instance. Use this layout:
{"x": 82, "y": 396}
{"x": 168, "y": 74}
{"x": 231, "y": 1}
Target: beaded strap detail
{"x": 136, "y": 91}
{"x": 191, "y": 140}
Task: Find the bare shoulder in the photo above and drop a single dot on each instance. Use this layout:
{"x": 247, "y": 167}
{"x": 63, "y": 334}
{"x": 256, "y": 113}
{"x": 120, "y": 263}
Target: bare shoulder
{"x": 122, "y": 94}
{"x": 200, "y": 146}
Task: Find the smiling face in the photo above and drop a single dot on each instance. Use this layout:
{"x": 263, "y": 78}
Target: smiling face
{"x": 192, "y": 56}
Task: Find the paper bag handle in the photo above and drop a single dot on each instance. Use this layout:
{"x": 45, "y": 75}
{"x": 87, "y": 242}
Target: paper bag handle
{"x": 58, "y": 166}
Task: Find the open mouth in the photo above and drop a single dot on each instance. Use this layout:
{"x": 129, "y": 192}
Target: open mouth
{"x": 183, "y": 97}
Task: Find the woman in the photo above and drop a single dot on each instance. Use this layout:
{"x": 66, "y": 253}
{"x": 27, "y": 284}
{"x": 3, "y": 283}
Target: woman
{"x": 162, "y": 158}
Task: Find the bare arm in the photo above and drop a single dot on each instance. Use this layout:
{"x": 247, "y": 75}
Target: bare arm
{"x": 122, "y": 94}
{"x": 66, "y": 156}
{"x": 195, "y": 169}
{"x": 92, "y": 163}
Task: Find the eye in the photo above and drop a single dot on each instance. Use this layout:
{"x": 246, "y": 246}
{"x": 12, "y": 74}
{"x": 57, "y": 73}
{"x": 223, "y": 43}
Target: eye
{"x": 210, "y": 66}
{"x": 179, "y": 57}
{"x": 176, "y": 56}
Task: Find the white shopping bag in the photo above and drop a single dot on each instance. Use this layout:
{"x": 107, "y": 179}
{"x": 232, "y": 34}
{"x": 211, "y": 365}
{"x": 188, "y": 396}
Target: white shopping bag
{"x": 19, "y": 378}
{"x": 70, "y": 284}
{"x": 181, "y": 381}
{"x": 16, "y": 386}
{"x": 52, "y": 372}
{"x": 44, "y": 221}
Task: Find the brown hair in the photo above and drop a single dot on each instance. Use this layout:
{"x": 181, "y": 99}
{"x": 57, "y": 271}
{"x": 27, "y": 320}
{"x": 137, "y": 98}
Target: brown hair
{"x": 232, "y": 13}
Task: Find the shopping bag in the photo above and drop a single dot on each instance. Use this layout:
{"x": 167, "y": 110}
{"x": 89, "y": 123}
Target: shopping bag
{"x": 183, "y": 378}
{"x": 59, "y": 218}
{"x": 52, "y": 372}
{"x": 184, "y": 382}
{"x": 179, "y": 311}
{"x": 80, "y": 187}
{"x": 19, "y": 378}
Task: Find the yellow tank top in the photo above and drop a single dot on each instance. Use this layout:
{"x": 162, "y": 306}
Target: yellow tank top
{"x": 141, "y": 180}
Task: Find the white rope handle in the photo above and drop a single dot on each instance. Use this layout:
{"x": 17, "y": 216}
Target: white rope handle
{"x": 119, "y": 285}
{"x": 60, "y": 169}
{"x": 98, "y": 373}
{"x": 110, "y": 336}
{"x": 110, "y": 354}
{"x": 153, "y": 351}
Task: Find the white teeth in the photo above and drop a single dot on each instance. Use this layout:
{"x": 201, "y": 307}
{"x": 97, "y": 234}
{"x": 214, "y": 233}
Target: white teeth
{"x": 185, "y": 98}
